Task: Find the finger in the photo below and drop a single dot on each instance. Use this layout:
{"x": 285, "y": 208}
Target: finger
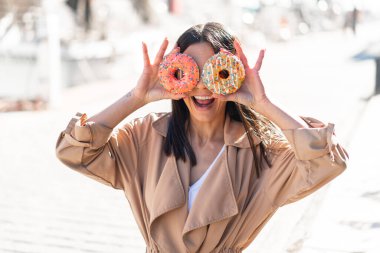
{"x": 233, "y": 97}
{"x": 259, "y": 61}
{"x": 175, "y": 46}
{"x": 175, "y": 50}
{"x": 241, "y": 54}
{"x": 161, "y": 52}
{"x": 177, "y": 96}
{"x": 146, "y": 55}
{"x": 225, "y": 51}
{"x": 222, "y": 97}
{"x": 174, "y": 96}
{"x": 170, "y": 56}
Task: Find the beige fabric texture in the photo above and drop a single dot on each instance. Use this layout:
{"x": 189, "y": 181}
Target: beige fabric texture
{"x": 232, "y": 205}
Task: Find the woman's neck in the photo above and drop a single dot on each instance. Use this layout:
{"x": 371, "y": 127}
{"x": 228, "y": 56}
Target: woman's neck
{"x": 202, "y": 133}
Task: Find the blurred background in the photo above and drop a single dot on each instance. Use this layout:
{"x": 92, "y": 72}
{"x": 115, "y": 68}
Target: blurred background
{"x": 59, "y": 57}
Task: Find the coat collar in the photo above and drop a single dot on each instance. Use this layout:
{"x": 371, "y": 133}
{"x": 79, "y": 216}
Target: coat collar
{"x": 234, "y": 132}
{"x": 216, "y": 199}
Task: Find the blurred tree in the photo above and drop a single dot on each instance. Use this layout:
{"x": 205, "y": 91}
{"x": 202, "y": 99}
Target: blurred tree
{"x": 83, "y": 12}
{"x": 143, "y": 9}
{"x": 351, "y": 20}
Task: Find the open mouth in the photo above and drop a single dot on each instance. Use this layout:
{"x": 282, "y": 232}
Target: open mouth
{"x": 203, "y": 101}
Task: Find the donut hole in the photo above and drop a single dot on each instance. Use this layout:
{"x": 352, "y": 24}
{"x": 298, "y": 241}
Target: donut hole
{"x": 178, "y": 74}
{"x": 224, "y": 74}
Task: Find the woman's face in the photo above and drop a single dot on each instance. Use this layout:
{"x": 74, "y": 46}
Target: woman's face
{"x": 201, "y": 105}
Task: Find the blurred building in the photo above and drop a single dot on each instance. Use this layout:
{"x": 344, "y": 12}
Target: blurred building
{"x": 86, "y": 38}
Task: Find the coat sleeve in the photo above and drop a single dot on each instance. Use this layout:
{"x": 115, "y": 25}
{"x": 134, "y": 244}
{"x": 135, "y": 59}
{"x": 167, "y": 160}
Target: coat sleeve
{"x": 311, "y": 159}
{"x": 99, "y": 152}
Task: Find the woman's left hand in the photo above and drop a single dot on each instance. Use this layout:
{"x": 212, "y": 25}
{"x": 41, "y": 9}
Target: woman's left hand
{"x": 252, "y": 92}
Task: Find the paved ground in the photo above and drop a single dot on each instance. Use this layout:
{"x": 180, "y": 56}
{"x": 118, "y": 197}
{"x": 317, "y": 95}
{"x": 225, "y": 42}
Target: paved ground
{"x": 349, "y": 216}
{"x": 45, "y": 207}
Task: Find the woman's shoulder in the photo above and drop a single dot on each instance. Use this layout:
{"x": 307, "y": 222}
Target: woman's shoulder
{"x": 150, "y": 118}
{"x": 145, "y": 125}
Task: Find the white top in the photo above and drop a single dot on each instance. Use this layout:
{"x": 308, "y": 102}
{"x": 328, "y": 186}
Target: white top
{"x": 193, "y": 190}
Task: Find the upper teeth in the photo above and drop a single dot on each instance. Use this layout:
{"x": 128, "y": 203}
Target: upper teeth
{"x": 202, "y": 97}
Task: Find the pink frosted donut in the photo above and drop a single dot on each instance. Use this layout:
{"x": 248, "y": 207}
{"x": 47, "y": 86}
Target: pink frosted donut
{"x": 176, "y": 82}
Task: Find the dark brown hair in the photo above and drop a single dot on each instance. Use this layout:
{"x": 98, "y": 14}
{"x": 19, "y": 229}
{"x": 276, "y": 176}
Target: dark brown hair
{"x": 176, "y": 141}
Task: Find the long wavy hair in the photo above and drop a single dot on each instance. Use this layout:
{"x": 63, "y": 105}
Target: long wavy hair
{"x": 254, "y": 123}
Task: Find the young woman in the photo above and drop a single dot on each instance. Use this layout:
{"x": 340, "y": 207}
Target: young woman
{"x": 207, "y": 176}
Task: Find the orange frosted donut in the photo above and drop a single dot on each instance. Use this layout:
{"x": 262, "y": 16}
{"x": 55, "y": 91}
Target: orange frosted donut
{"x": 223, "y": 73}
{"x": 178, "y": 73}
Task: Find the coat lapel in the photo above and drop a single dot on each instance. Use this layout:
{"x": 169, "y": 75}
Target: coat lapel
{"x": 169, "y": 194}
{"x": 215, "y": 201}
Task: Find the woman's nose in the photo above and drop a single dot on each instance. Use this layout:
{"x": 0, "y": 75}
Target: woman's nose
{"x": 200, "y": 84}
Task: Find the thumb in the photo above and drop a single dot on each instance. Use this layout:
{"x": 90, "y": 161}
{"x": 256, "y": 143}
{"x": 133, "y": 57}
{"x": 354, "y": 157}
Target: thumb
{"x": 227, "y": 97}
{"x": 177, "y": 96}
{"x": 165, "y": 94}
{"x": 175, "y": 50}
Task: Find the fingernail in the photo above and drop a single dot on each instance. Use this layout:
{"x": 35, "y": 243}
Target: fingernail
{"x": 224, "y": 50}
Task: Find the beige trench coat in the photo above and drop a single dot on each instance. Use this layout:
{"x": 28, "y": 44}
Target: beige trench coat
{"x": 232, "y": 205}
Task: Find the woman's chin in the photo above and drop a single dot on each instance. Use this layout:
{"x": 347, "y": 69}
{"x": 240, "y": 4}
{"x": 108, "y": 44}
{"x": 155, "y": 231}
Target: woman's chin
{"x": 205, "y": 110}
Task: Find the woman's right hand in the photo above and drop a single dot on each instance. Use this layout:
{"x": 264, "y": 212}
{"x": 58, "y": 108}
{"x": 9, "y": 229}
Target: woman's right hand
{"x": 148, "y": 88}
